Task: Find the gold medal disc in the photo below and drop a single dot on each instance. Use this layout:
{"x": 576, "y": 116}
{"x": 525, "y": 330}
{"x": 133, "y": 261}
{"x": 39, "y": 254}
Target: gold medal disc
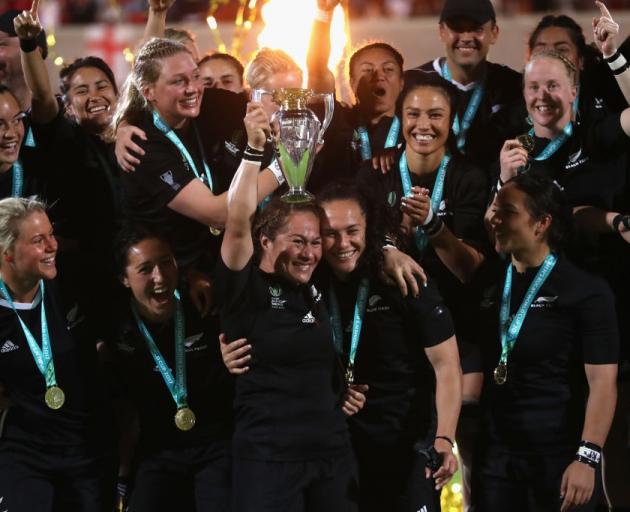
{"x": 527, "y": 141}
{"x": 349, "y": 375}
{"x": 500, "y": 374}
{"x": 54, "y": 397}
{"x": 215, "y": 231}
{"x": 185, "y": 419}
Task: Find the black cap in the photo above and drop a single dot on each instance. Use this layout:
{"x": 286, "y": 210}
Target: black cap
{"x": 6, "y": 25}
{"x": 479, "y": 11}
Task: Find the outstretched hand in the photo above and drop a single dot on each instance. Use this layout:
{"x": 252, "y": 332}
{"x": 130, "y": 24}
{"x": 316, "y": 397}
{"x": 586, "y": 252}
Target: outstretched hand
{"x": 26, "y": 24}
{"x": 160, "y": 5}
{"x": 605, "y": 31}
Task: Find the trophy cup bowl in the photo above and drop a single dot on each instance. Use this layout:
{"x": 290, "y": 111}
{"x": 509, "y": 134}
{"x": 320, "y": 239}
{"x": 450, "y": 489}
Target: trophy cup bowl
{"x": 297, "y": 133}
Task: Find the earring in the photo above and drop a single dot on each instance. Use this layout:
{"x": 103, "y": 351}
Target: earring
{"x": 8, "y": 258}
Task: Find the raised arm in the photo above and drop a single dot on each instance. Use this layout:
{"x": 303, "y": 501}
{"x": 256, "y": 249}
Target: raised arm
{"x": 238, "y": 246}
{"x": 44, "y": 104}
{"x": 605, "y": 32}
{"x": 320, "y": 78}
{"x": 156, "y": 21}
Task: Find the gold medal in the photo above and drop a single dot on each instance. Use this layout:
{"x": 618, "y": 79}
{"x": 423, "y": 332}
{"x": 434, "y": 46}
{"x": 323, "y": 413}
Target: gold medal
{"x": 54, "y": 397}
{"x": 500, "y": 374}
{"x": 185, "y": 419}
{"x": 215, "y": 231}
{"x": 350, "y": 375}
{"x": 527, "y": 141}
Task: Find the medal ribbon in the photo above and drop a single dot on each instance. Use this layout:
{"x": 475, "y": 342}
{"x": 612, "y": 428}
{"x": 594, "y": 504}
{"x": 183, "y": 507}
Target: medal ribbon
{"x": 556, "y": 143}
{"x": 357, "y": 322}
{"x": 390, "y": 141}
{"x": 43, "y": 356}
{"x": 436, "y": 195}
{"x": 17, "y": 185}
{"x": 460, "y": 129}
{"x": 176, "y": 385}
{"x": 509, "y": 333}
{"x": 172, "y": 136}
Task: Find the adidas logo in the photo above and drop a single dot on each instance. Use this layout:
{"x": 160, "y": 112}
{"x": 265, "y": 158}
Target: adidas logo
{"x": 8, "y": 346}
{"x": 308, "y": 318}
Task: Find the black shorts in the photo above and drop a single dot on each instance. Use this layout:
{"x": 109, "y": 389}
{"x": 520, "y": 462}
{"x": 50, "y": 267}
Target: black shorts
{"x": 326, "y": 485}
{"x": 393, "y": 479}
{"x": 502, "y": 481}
{"x": 184, "y": 479}
{"x": 47, "y": 479}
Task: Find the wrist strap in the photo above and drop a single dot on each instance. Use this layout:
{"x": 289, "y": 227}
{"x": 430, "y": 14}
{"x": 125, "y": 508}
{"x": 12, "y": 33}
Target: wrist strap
{"x": 274, "y": 167}
{"x": 613, "y": 57}
{"x": 447, "y": 439}
{"x": 28, "y": 45}
{"x": 617, "y": 62}
{"x": 589, "y": 453}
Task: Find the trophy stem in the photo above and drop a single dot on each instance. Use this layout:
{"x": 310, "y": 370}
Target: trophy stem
{"x": 298, "y": 195}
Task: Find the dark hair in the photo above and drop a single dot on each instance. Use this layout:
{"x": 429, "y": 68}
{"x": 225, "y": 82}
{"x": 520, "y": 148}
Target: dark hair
{"x": 560, "y": 21}
{"x": 230, "y": 59}
{"x": 545, "y": 197}
{"x": 416, "y": 78}
{"x": 5, "y": 89}
{"x": 67, "y": 72}
{"x": 381, "y": 46}
{"x": 128, "y": 236}
{"x": 275, "y": 216}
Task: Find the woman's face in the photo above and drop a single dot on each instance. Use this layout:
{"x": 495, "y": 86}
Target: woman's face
{"x": 549, "y": 93}
{"x": 91, "y": 99}
{"x": 376, "y": 80}
{"x": 220, "y": 74}
{"x": 11, "y": 130}
{"x": 558, "y": 38}
{"x": 283, "y": 80}
{"x": 296, "y": 249}
{"x": 176, "y": 94}
{"x": 426, "y": 120}
{"x": 33, "y": 254}
{"x": 343, "y": 235}
{"x": 151, "y": 275}
{"x": 515, "y": 230}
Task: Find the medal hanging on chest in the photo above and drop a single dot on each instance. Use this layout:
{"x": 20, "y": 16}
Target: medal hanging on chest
{"x": 357, "y": 323}
{"x": 184, "y": 417}
{"x": 509, "y": 327}
{"x": 54, "y": 396}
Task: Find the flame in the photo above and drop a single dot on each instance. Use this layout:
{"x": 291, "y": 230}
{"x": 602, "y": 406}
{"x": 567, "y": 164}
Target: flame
{"x": 288, "y": 26}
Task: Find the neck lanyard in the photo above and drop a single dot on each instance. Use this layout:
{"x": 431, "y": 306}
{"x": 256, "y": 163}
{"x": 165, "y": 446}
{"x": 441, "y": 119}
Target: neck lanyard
{"x": 17, "y": 179}
{"x": 357, "y": 323}
{"x": 460, "y": 129}
{"x": 43, "y": 356}
{"x": 509, "y": 328}
{"x": 390, "y": 141}
{"x": 555, "y": 144}
{"x": 172, "y": 136}
{"x": 436, "y": 195}
{"x": 176, "y": 385}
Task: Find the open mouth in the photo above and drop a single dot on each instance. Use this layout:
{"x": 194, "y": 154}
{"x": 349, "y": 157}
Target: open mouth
{"x": 97, "y": 109}
{"x": 423, "y": 137}
{"x": 9, "y": 146}
{"x": 345, "y": 256}
{"x": 49, "y": 262}
{"x": 189, "y": 102}
{"x": 379, "y": 92}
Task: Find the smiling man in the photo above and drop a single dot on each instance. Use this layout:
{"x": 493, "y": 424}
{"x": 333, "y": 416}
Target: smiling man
{"x": 468, "y": 29}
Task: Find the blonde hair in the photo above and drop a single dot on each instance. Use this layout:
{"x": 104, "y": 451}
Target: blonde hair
{"x": 266, "y": 63}
{"x": 181, "y": 35}
{"x": 146, "y": 71}
{"x": 550, "y": 53}
{"x": 14, "y": 210}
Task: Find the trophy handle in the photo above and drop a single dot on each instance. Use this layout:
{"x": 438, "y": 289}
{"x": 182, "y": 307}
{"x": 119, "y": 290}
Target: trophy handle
{"x": 257, "y": 94}
{"x": 329, "y": 104}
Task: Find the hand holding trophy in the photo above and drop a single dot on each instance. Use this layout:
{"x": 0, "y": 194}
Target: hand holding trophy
{"x": 297, "y": 133}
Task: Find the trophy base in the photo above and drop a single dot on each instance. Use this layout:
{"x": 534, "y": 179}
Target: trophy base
{"x": 298, "y": 195}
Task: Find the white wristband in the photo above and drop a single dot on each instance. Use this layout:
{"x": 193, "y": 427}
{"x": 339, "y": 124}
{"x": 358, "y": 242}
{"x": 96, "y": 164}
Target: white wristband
{"x": 323, "y": 16}
{"x": 618, "y": 63}
{"x": 274, "y": 167}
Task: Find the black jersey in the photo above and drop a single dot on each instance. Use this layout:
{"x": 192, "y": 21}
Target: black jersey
{"x": 590, "y": 166}
{"x": 503, "y": 86}
{"x": 162, "y": 173}
{"x": 287, "y": 407}
{"x": 400, "y": 405}
{"x": 82, "y": 419}
{"x": 462, "y": 208}
{"x": 224, "y": 136}
{"x": 209, "y": 385}
{"x": 571, "y": 322}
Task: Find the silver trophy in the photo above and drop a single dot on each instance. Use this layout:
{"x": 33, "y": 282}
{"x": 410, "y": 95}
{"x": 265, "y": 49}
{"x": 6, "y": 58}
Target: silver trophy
{"x": 297, "y": 133}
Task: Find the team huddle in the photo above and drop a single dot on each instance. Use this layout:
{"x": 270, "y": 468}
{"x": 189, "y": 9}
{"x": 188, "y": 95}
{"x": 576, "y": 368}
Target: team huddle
{"x": 175, "y": 335}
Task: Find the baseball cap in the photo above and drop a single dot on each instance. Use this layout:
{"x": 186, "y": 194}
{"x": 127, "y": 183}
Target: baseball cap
{"x": 478, "y": 11}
